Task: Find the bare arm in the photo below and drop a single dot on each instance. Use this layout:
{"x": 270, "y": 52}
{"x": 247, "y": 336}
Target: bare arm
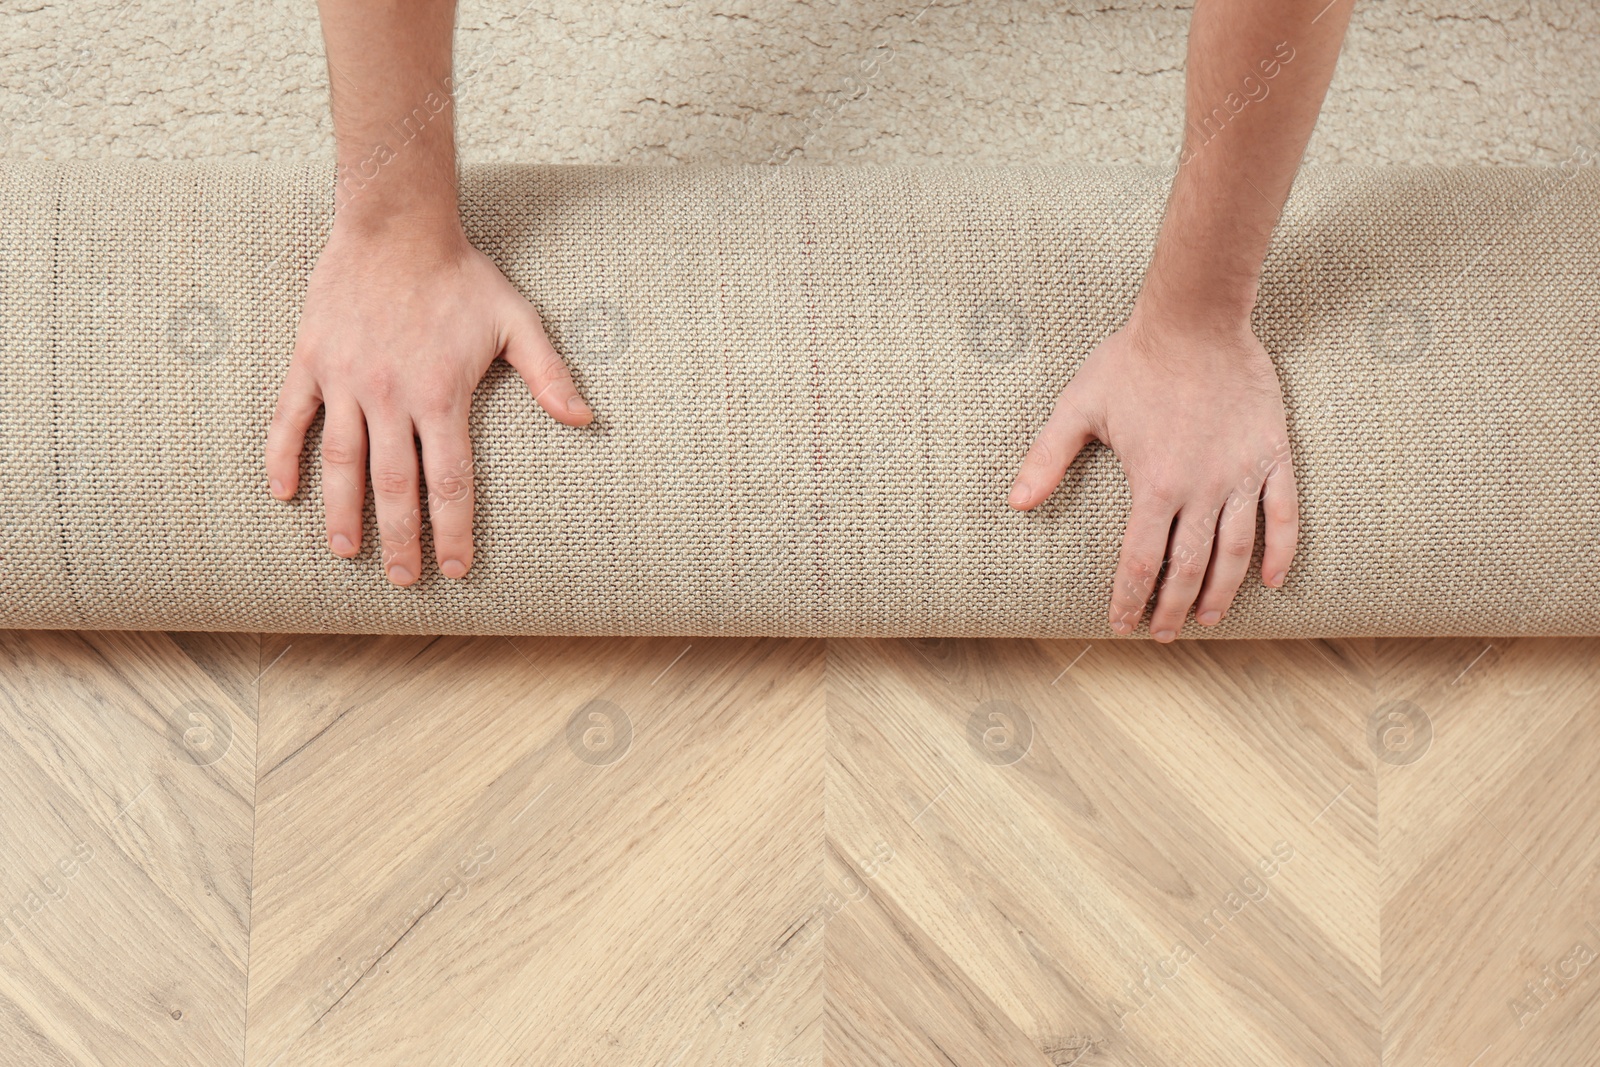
{"x": 1258, "y": 71}
{"x": 389, "y": 80}
{"x": 1184, "y": 393}
{"x": 403, "y": 316}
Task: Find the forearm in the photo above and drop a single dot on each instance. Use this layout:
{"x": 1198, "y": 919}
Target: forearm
{"x": 1258, "y": 71}
{"x": 389, "y": 72}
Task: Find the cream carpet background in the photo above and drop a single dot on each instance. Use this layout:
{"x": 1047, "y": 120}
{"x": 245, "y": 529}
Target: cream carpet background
{"x": 708, "y": 81}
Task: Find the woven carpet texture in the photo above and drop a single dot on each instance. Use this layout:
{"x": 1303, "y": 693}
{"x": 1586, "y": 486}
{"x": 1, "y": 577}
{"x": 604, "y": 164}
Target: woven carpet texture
{"x": 814, "y": 385}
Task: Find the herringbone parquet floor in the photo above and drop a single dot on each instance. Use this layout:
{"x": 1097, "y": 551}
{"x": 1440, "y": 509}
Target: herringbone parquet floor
{"x": 242, "y": 849}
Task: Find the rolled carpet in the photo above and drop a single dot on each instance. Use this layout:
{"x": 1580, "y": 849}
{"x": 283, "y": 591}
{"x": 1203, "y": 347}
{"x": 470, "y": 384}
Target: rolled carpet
{"x": 813, "y": 387}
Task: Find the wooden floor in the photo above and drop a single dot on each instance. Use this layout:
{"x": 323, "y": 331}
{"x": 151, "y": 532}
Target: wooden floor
{"x": 307, "y": 850}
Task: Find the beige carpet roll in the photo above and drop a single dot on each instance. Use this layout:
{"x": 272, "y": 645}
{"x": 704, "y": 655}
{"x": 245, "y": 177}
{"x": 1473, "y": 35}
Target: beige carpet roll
{"x": 814, "y": 387}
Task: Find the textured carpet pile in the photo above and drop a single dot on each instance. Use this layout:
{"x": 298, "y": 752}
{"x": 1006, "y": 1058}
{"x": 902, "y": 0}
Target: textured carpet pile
{"x": 745, "y": 81}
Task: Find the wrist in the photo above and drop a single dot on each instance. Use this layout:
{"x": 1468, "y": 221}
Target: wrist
{"x": 411, "y": 198}
{"x": 1207, "y": 306}
{"x": 1181, "y": 353}
{"x": 417, "y": 182}
{"x": 1211, "y": 337}
{"x": 399, "y": 200}
{"x": 413, "y": 234}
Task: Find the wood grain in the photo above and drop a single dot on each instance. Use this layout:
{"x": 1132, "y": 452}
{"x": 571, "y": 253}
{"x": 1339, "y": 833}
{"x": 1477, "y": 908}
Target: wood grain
{"x": 127, "y": 767}
{"x": 674, "y": 852}
{"x": 612, "y": 898}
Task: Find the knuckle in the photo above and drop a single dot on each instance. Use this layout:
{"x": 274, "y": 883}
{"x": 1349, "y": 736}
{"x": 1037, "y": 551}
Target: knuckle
{"x": 451, "y": 486}
{"x": 307, "y": 350}
{"x": 1238, "y": 544}
{"x": 1133, "y": 587}
{"x": 381, "y": 387}
{"x": 1126, "y": 613}
{"x": 552, "y": 366}
{"x": 546, "y": 364}
{"x": 391, "y": 481}
{"x": 553, "y": 387}
{"x": 340, "y": 451}
{"x": 1189, "y": 548}
{"x": 1163, "y": 492}
{"x": 436, "y": 402}
{"x": 1283, "y": 512}
{"x": 1138, "y": 573}
{"x": 1167, "y": 619}
{"x": 1043, "y": 455}
{"x": 450, "y": 532}
{"x": 1188, "y": 569}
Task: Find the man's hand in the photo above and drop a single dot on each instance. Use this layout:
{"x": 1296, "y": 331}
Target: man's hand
{"x": 396, "y": 333}
{"x": 1184, "y": 393}
{"x": 402, "y": 315}
{"x": 1196, "y": 416}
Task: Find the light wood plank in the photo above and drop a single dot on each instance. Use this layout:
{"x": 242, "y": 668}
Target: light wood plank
{"x": 1491, "y": 912}
{"x": 849, "y": 852}
{"x": 1055, "y": 879}
{"x": 615, "y": 910}
{"x": 127, "y": 765}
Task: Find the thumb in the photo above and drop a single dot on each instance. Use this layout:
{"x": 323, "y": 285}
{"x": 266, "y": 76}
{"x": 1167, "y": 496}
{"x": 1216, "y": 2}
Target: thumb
{"x": 528, "y": 350}
{"x": 1053, "y": 451}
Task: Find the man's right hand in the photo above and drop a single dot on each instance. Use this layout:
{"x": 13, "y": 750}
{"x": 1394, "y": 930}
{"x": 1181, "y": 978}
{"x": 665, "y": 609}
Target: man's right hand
{"x": 398, "y": 329}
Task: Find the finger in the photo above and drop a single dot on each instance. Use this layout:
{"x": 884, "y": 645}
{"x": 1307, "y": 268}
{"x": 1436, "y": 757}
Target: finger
{"x": 447, "y": 466}
{"x": 1143, "y": 544}
{"x": 394, "y": 489}
{"x": 1230, "y": 559}
{"x": 1187, "y": 564}
{"x": 1058, "y": 444}
{"x": 344, "y": 469}
{"x": 1280, "y": 502}
{"x": 298, "y": 402}
{"x": 545, "y": 372}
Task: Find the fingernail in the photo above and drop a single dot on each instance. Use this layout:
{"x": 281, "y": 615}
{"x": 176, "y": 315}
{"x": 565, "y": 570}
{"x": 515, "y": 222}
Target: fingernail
{"x": 1276, "y": 580}
{"x": 1208, "y": 618}
{"x": 453, "y": 568}
{"x": 399, "y": 575}
{"x": 1020, "y": 494}
{"x": 277, "y": 487}
{"x": 1121, "y": 626}
{"x": 577, "y": 406}
{"x": 1164, "y": 635}
{"x": 341, "y": 545}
